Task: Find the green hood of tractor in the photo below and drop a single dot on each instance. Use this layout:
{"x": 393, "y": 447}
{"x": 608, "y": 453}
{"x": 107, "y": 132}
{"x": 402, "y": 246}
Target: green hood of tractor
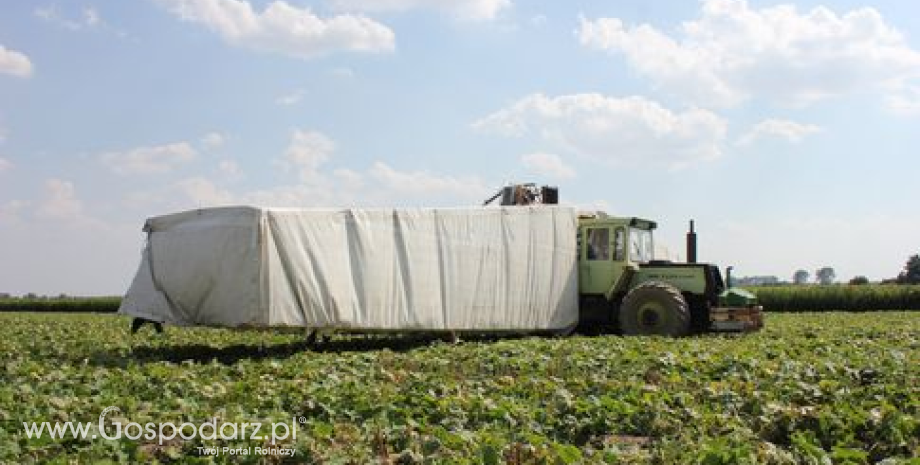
{"x": 736, "y": 297}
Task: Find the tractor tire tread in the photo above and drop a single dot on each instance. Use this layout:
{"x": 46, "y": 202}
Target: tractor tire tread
{"x": 669, "y": 294}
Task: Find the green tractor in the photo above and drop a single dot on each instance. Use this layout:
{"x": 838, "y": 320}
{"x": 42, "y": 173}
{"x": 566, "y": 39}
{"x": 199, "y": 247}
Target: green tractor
{"x": 622, "y": 286}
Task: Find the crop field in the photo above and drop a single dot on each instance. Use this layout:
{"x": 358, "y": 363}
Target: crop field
{"x": 783, "y": 298}
{"x": 809, "y": 388}
{"x": 812, "y": 298}
{"x": 60, "y": 304}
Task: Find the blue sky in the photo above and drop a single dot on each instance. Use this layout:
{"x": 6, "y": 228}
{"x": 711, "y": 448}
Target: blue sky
{"x": 787, "y": 130}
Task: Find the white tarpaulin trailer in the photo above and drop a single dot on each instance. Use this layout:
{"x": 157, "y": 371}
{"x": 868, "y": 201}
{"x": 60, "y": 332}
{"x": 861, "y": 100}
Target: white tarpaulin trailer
{"x": 474, "y": 269}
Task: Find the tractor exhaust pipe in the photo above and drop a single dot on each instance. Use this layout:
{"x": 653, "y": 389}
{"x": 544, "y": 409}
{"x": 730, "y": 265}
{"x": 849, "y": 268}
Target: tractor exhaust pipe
{"x": 691, "y": 244}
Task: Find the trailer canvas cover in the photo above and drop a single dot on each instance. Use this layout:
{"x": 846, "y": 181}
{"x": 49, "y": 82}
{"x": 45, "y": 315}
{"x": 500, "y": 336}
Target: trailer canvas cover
{"x": 478, "y": 269}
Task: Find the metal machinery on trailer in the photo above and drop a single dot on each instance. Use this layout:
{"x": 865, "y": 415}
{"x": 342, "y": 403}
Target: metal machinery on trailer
{"x": 622, "y": 286}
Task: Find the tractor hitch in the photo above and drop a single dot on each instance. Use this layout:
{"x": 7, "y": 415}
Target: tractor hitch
{"x": 736, "y": 319}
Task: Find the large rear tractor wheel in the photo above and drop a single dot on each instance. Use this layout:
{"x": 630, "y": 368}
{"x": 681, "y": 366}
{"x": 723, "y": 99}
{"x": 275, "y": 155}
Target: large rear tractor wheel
{"x": 655, "y": 308}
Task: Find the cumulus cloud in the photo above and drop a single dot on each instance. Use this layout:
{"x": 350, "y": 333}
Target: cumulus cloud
{"x": 789, "y": 131}
{"x": 212, "y": 140}
{"x": 230, "y": 169}
{"x": 284, "y": 28}
{"x": 474, "y": 10}
{"x": 316, "y": 184}
{"x": 905, "y": 100}
{"x": 379, "y": 186}
{"x": 204, "y": 193}
{"x": 734, "y": 53}
{"x": 420, "y": 183}
{"x": 307, "y": 151}
{"x": 615, "y": 130}
{"x": 10, "y": 211}
{"x": 547, "y": 164}
{"x": 88, "y": 19}
{"x": 91, "y": 17}
{"x": 149, "y": 160}
{"x": 60, "y": 201}
{"x": 291, "y": 98}
{"x": 14, "y": 63}
{"x": 349, "y": 178}
{"x": 342, "y": 72}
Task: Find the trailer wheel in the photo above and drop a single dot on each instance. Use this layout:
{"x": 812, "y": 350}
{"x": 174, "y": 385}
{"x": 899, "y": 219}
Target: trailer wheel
{"x": 655, "y": 308}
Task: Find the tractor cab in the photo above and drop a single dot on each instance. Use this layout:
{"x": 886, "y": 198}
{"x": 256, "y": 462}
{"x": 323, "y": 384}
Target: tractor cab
{"x": 611, "y": 248}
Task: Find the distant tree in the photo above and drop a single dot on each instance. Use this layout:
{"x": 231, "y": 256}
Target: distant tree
{"x": 859, "y": 280}
{"x": 31, "y": 295}
{"x": 911, "y": 273}
{"x": 800, "y": 277}
{"x": 825, "y": 275}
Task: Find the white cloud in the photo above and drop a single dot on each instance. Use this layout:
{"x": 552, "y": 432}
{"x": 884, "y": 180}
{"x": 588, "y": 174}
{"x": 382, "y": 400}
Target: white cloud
{"x": 14, "y": 63}
{"x": 149, "y": 160}
{"x": 733, "y": 53}
{"x": 88, "y": 19}
{"x": 615, "y": 130}
{"x": 313, "y": 182}
{"x": 290, "y": 99}
{"x": 283, "y": 28}
{"x": 5, "y": 165}
{"x": 474, "y": 10}
{"x": 421, "y": 183}
{"x": 343, "y": 72}
{"x": 294, "y": 196}
{"x": 91, "y": 17}
{"x": 307, "y": 151}
{"x": 348, "y": 178}
{"x": 380, "y": 186}
{"x": 60, "y": 202}
{"x": 547, "y": 164}
{"x": 905, "y": 100}
{"x": 204, "y": 193}
{"x": 230, "y": 169}
{"x": 10, "y": 211}
{"x": 789, "y": 131}
{"x": 212, "y": 140}
{"x": 316, "y": 185}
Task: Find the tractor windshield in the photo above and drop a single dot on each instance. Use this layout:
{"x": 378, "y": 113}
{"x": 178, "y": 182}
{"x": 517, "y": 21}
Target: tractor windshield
{"x": 640, "y": 245}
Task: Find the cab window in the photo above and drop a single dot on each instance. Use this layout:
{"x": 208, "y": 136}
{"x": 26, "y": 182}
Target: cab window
{"x": 598, "y": 243}
{"x": 640, "y": 245}
{"x": 619, "y": 244}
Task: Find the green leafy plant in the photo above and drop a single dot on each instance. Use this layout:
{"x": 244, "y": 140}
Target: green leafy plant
{"x": 810, "y": 387}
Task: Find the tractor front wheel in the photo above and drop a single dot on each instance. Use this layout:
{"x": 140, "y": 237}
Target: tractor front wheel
{"x": 655, "y": 308}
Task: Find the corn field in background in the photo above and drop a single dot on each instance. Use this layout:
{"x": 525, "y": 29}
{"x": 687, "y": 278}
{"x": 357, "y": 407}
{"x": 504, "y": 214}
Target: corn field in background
{"x": 818, "y": 298}
{"x": 60, "y": 304}
{"x": 787, "y": 298}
